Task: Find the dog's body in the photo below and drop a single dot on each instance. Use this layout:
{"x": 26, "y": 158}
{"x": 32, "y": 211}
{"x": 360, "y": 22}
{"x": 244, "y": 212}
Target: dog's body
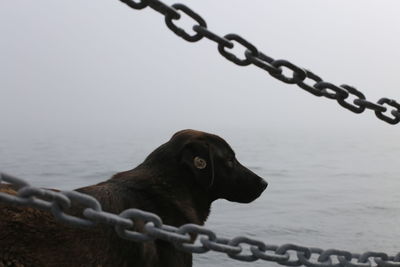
{"x": 178, "y": 181}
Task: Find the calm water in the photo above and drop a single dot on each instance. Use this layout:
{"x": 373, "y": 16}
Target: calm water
{"x": 329, "y": 191}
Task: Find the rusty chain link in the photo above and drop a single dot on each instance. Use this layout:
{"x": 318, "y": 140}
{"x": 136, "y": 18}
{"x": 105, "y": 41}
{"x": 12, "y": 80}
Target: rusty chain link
{"x": 180, "y": 237}
{"x": 273, "y": 66}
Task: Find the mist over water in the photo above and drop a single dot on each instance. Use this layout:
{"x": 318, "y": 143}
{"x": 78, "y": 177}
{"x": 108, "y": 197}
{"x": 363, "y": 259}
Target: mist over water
{"x": 88, "y": 89}
{"x": 325, "y": 190}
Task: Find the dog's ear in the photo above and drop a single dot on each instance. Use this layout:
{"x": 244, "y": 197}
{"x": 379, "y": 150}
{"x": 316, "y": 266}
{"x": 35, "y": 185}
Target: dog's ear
{"x": 197, "y": 156}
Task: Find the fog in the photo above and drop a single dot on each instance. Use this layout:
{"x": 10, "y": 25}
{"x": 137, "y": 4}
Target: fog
{"x": 100, "y": 66}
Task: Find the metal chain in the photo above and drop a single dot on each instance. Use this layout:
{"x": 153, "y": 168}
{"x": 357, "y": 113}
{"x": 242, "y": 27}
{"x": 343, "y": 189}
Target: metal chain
{"x": 58, "y": 202}
{"x": 274, "y": 67}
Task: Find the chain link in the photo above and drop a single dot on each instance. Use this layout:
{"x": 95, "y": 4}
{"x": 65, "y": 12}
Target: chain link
{"x": 185, "y": 236}
{"x": 274, "y": 67}
{"x": 251, "y": 50}
{"x": 181, "y": 32}
{"x": 319, "y": 263}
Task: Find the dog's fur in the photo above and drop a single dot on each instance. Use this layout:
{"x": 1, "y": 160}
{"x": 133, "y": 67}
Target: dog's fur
{"x": 178, "y": 181}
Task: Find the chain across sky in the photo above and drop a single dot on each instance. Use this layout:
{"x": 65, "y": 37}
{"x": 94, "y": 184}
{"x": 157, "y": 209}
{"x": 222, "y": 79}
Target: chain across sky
{"x": 303, "y": 78}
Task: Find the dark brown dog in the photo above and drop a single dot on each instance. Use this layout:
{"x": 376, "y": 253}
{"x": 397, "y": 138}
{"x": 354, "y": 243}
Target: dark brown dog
{"x": 178, "y": 181}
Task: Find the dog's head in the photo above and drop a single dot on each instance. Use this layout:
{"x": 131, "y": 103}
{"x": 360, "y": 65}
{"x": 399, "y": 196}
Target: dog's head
{"x": 211, "y": 163}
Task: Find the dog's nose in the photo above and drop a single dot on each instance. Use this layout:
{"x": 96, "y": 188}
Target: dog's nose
{"x": 264, "y": 184}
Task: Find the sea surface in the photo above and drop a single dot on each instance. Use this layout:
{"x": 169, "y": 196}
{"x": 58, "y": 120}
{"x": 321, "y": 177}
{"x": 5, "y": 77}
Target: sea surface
{"x": 329, "y": 190}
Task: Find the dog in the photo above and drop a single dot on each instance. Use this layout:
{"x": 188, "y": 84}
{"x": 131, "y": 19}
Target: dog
{"x": 178, "y": 181}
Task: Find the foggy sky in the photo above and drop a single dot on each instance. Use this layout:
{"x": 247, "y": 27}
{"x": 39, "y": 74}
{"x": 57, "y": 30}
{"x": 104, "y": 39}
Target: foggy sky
{"x": 101, "y": 65}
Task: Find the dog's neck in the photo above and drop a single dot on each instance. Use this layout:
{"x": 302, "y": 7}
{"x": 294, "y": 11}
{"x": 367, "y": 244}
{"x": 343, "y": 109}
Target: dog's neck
{"x": 183, "y": 196}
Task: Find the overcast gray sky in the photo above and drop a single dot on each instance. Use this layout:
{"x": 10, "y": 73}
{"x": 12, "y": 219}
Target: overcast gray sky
{"x": 101, "y": 65}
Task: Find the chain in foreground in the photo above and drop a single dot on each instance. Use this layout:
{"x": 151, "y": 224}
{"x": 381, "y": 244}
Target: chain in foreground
{"x": 288, "y": 254}
{"x": 274, "y": 67}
